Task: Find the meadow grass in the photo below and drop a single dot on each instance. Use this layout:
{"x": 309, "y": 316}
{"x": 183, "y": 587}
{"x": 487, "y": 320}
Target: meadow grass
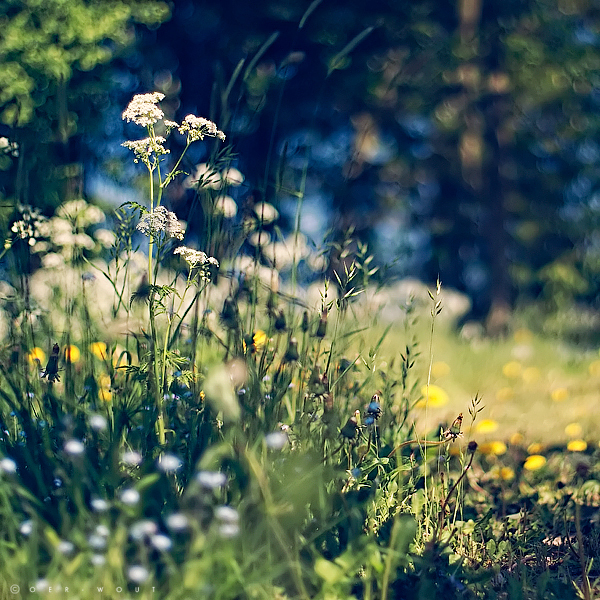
{"x": 179, "y": 425}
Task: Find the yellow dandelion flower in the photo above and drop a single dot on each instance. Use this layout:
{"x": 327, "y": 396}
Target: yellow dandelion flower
{"x": 439, "y": 369}
{"x": 573, "y": 430}
{"x": 516, "y": 439}
{"x": 594, "y": 368}
{"x": 535, "y": 448}
{"x": 259, "y": 339}
{"x": 202, "y": 396}
{"x": 577, "y": 446}
{"x": 486, "y": 426}
{"x": 559, "y": 394}
{"x": 507, "y": 473}
{"x": 433, "y": 396}
{"x": 104, "y": 381}
{"x": 504, "y": 394}
{"x": 104, "y": 394}
{"x": 522, "y": 336}
{"x": 36, "y": 354}
{"x": 531, "y": 374}
{"x": 98, "y": 349}
{"x": 72, "y": 354}
{"x": 534, "y": 462}
{"x": 496, "y": 448}
{"x": 511, "y": 369}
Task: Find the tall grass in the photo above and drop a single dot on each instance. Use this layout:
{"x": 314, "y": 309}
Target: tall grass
{"x": 178, "y": 425}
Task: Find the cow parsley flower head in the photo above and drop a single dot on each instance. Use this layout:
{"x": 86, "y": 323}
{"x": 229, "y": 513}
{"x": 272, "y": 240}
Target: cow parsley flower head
{"x": 145, "y": 148}
{"x": 198, "y": 259}
{"x": 161, "y": 221}
{"x": 197, "y": 128}
{"x": 142, "y": 109}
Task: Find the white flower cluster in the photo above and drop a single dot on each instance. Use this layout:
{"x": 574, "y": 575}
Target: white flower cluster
{"x": 143, "y": 149}
{"x": 197, "y": 259}
{"x": 199, "y": 127}
{"x": 159, "y": 221}
{"x": 30, "y": 225}
{"x": 142, "y": 109}
{"x": 80, "y": 213}
{"x": 8, "y": 147}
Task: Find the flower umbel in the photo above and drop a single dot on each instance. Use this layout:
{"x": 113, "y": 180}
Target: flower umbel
{"x": 143, "y": 149}
{"x": 199, "y": 127}
{"x": 142, "y": 109}
{"x": 159, "y": 221}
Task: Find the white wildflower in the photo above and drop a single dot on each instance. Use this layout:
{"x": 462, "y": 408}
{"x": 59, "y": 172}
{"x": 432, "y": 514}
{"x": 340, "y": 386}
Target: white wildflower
{"x": 197, "y": 128}
{"x": 30, "y": 226}
{"x": 266, "y": 212}
{"x": 158, "y": 221}
{"x": 105, "y": 237}
{"x": 191, "y": 256}
{"x": 226, "y": 206}
{"x": 227, "y": 514}
{"x": 142, "y": 109}
{"x": 143, "y": 529}
{"x": 232, "y": 176}
{"x": 276, "y": 440}
{"x": 97, "y": 560}
{"x": 137, "y": 574}
{"x": 131, "y": 458}
{"x": 169, "y": 463}
{"x": 130, "y": 496}
{"x": 161, "y": 542}
{"x": 146, "y": 147}
{"x": 211, "y": 479}
{"x": 99, "y": 505}
{"x": 177, "y": 522}
{"x": 98, "y": 422}
{"x": 74, "y": 447}
{"x": 8, "y": 465}
{"x": 52, "y": 260}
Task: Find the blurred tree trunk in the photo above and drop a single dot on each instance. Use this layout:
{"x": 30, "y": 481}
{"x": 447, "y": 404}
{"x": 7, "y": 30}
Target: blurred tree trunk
{"x": 481, "y": 147}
